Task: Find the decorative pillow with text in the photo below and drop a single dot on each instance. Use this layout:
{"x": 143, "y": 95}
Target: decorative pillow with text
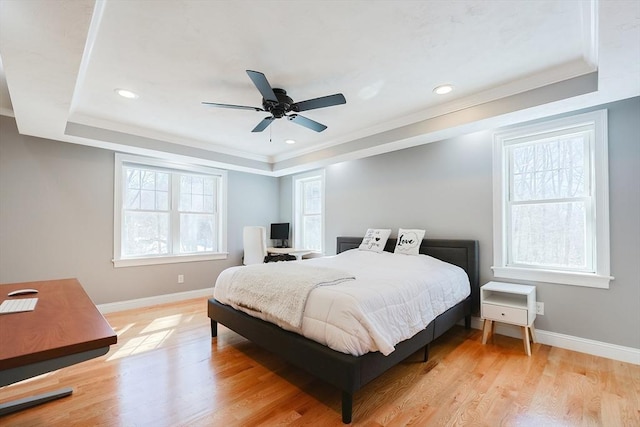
{"x": 375, "y": 239}
{"x": 409, "y": 242}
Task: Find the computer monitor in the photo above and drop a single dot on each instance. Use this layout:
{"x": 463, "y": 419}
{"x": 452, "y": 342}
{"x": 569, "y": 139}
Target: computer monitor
{"x": 280, "y": 232}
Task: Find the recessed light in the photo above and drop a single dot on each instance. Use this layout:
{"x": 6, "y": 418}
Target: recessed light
{"x": 443, "y": 89}
{"x": 126, "y": 93}
{"x": 289, "y": 141}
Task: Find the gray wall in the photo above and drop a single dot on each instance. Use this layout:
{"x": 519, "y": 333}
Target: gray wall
{"x": 56, "y": 220}
{"x": 446, "y": 188}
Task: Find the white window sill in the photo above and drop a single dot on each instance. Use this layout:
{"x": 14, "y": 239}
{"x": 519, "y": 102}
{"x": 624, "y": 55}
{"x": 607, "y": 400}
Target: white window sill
{"x": 589, "y": 280}
{"x": 171, "y": 259}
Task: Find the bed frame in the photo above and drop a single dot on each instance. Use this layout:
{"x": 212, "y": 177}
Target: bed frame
{"x": 347, "y": 372}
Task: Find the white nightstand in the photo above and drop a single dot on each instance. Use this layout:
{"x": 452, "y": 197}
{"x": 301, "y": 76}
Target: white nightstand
{"x": 508, "y": 303}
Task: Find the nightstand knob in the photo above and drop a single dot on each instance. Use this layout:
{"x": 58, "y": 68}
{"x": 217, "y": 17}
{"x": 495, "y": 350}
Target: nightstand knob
{"x": 503, "y": 314}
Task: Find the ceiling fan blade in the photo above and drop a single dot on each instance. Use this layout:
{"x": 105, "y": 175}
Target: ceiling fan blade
{"x": 308, "y": 123}
{"x": 263, "y": 124}
{"x": 263, "y": 85}
{"x": 325, "y": 101}
{"x": 236, "y": 107}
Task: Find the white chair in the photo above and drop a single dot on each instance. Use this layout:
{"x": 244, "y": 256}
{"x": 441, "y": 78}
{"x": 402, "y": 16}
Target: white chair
{"x": 255, "y": 244}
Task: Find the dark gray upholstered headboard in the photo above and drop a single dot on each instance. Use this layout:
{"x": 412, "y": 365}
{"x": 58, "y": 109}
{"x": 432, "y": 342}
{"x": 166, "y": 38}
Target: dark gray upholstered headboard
{"x": 463, "y": 253}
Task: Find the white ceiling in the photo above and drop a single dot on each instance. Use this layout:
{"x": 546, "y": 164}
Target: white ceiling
{"x": 508, "y": 61}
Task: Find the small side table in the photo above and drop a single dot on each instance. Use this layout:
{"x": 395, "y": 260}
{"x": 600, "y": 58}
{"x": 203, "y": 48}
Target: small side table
{"x": 509, "y": 303}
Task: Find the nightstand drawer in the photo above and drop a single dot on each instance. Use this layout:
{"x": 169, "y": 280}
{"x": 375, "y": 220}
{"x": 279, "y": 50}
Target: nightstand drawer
{"x": 505, "y": 314}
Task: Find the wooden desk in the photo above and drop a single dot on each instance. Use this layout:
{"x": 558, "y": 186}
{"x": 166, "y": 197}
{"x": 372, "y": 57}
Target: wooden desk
{"x": 298, "y": 253}
{"x": 65, "y": 328}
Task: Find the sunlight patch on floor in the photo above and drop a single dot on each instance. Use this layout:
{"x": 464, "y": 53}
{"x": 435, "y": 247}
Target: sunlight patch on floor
{"x": 141, "y": 344}
{"x": 121, "y": 331}
{"x": 165, "y": 322}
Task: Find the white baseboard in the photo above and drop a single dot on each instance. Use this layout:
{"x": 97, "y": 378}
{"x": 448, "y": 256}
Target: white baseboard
{"x": 568, "y": 342}
{"x": 155, "y": 300}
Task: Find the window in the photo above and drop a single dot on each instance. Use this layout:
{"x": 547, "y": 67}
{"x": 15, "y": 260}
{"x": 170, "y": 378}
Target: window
{"x": 551, "y": 213}
{"x": 308, "y": 204}
{"x": 166, "y": 212}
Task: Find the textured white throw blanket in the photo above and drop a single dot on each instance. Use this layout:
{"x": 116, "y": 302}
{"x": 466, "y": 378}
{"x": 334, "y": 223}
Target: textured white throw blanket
{"x": 281, "y": 289}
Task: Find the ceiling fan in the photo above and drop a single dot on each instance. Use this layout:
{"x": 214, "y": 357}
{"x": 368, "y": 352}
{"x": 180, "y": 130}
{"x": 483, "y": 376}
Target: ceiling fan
{"x": 279, "y": 104}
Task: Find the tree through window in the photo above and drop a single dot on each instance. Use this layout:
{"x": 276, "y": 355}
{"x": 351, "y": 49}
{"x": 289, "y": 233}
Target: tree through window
{"x": 167, "y": 212}
{"x": 551, "y": 201}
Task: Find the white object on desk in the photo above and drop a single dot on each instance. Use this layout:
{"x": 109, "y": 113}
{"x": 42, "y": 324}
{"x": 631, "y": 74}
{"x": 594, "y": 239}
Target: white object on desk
{"x": 298, "y": 253}
{"x": 18, "y": 305}
{"x": 509, "y": 303}
{"x": 22, "y": 292}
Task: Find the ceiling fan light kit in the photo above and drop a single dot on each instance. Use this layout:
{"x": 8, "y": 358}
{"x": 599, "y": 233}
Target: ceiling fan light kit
{"x": 276, "y": 102}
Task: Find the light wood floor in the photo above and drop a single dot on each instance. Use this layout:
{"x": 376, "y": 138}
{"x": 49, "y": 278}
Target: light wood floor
{"x": 166, "y": 371}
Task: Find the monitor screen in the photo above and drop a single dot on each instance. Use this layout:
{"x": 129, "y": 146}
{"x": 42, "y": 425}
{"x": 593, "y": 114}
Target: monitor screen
{"x": 280, "y": 231}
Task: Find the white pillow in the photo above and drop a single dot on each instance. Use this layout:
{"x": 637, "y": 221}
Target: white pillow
{"x": 375, "y": 239}
{"x": 409, "y": 242}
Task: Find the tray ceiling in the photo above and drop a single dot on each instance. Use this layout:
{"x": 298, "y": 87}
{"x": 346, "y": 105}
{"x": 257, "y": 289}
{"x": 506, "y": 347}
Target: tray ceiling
{"x": 507, "y": 61}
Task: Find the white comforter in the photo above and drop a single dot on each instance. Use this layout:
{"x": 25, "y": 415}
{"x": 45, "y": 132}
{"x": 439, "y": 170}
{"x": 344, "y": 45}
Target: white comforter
{"x": 393, "y": 297}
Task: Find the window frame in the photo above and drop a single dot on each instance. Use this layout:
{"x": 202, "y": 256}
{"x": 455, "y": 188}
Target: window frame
{"x": 297, "y": 208}
{"x": 598, "y": 218}
{"x": 121, "y": 160}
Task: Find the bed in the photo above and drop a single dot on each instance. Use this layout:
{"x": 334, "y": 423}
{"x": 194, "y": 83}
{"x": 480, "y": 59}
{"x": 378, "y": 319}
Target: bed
{"x": 348, "y": 372}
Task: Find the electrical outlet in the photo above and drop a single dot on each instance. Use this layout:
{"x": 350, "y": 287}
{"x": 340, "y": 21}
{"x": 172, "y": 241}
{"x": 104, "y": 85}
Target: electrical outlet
{"x": 540, "y": 308}
{"x": 180, "y": 278}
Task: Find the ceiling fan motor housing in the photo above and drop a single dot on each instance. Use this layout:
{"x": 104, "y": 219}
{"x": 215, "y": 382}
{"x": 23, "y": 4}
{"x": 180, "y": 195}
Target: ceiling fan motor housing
{"x": 279, "y": 109}
{"x": 278, "y": 104}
